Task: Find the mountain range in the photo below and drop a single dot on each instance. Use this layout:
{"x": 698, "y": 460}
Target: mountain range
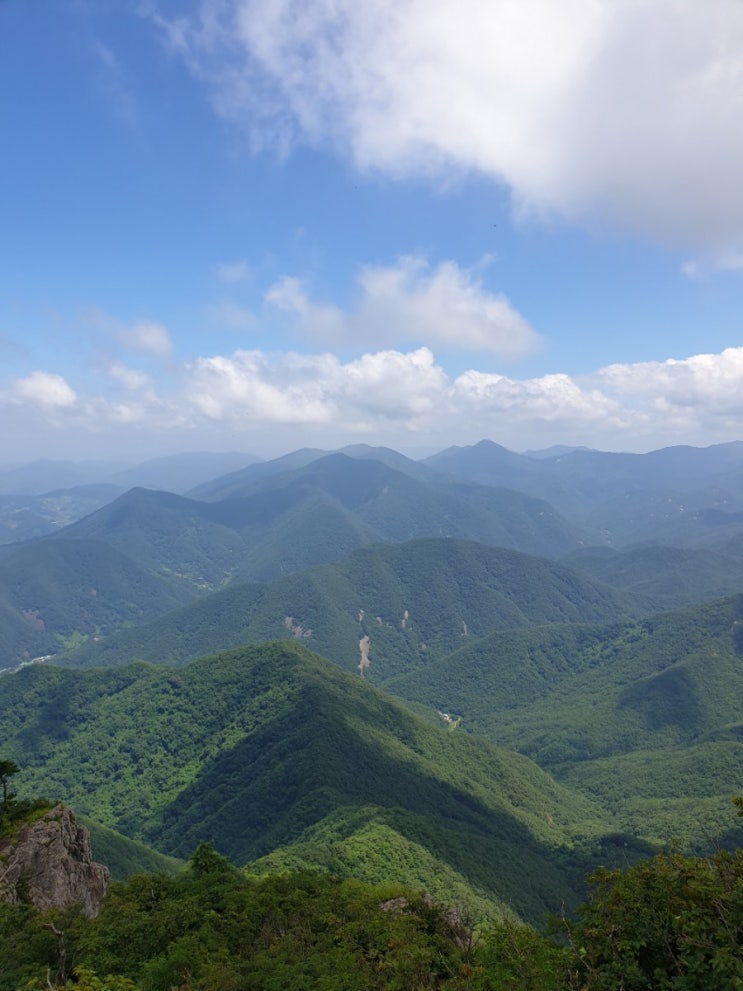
{"x": 495, "y": 670}
{"x": 271, "y": 751}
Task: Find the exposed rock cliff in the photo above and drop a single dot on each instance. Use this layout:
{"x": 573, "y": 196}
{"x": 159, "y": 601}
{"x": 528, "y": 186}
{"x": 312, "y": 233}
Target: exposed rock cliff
{"x": 48, "y": 863}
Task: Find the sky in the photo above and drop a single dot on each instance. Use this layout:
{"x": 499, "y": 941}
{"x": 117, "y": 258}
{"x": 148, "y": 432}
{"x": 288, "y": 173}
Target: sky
{"x": 259, "y": 225}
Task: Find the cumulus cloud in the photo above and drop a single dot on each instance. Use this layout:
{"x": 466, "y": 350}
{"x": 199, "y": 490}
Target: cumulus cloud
{"x": 549, "y": 398}
{"x": 412, "y": 303}
{"x": 317, "y": 389}
{"x": 247, "y": 385}
{"x": 712, "y": 383}
{"x": 398, "y": 397}
{"x": 406, "y": 389}
{"x": 131, "y": 378}
{"x": 626, "y": 112}
{"x": 45, "y": 390}
{"x": 149, "y": 337}
{"x": 397, "y": 394}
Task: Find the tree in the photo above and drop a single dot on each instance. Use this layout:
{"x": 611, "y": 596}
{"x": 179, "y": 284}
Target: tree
{"x": 673, "y": 922}
{"x": 7, "y": 769}
{"x": 206, "y": 862}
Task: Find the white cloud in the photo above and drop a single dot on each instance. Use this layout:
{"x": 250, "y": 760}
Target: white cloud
{"x": 130, "y": 378}
{"x": 148, "y": 337}
{"x": 406, "y": 390}
{"x": 448, "y": 306}
{"x": 397, "y": 397}
{"x": 709, "y": 383}
{"x": 249, "y": 386}
{"x": 549, "y": 398}
{"x": 391, "y": 385}
{"x": 317, "y": 389}
{"x": 589, "y": 108}
{"x": 318, "y": 321}
{"x": 410, "y": 303}
{"x": 45, "y": 390}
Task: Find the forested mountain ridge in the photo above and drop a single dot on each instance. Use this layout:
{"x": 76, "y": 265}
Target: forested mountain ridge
{"x": 647, "y": 716}
{"x": 273, "y": 750}
{"x": 40, "y": 498}
{"x": 591, "y": 475}
{"x": 252, "y": 478}
{"x": 670, "y": 922}
{"x": 663, "y": 577}
{"x": 174, "y": 472}
{"x": 559, "y": 721}
{"x": 634, "y": 713}
{"x": 384, "y": 609}
{"x": 54, "y": 594}
{"x": 314, "y": 515}
{"x": 678, "y": 495}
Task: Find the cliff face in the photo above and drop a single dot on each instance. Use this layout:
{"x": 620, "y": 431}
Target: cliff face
{"x": 48, "y": 863}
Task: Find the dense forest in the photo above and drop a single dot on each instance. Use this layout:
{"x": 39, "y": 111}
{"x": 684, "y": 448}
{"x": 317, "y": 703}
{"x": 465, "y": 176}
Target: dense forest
{"x": 352, "y": 721}
{"x": 673, "y": 923}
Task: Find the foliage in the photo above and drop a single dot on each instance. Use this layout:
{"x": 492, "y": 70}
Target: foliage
{"x": 663, "y": 497}
{"x": 215, "y": 932}
{"x": 664, "y": 577}
{"x": 55, "y": 592}
{"x": 15, "y": 812}
{"x": 7, "y": 769}
{"x": 415, "y": 602}
{"x": 26, "y": 948}
{"x": 674, "y": 923}
{"x": 270, "y": 746}
{"x": 645, "y": 717}
{"x": 124, "y": 856}
{"x": 513, "y": 957}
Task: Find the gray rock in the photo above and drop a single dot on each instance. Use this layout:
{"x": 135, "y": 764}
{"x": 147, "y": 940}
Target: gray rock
{"x": 48, "y": 863}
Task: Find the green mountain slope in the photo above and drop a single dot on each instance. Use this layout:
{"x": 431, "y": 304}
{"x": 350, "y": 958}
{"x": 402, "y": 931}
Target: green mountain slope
{"x": 260, "y": 748}
{"x": 383, "y": 610}
{"x": 248, "y": 479}
{"x": 123, "y": 856}
{"x": 666, "y": 577}
{"x": 646, "y": 717}
{"x": 237, "y": 483}
{"x": 296, "y": 518}
{"x": 27, "y": 517}
{"x": 582, "y": 478}
{"x": 53, "y": 593}
{"x": 670, "y": 496}
{"x": 399, "y": 505}
{"x": 166, "y": 533}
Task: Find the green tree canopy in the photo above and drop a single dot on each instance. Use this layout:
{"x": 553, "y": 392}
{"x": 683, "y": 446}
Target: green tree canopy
{"x": 7, "y": 769}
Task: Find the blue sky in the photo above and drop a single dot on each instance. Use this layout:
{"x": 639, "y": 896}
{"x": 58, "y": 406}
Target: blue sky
{"x": 243, "y": 225}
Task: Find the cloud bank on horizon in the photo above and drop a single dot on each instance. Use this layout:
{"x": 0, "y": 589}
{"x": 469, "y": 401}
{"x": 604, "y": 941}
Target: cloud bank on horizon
{"x": 402, "y": 399}
{"x": 622, "y": 120}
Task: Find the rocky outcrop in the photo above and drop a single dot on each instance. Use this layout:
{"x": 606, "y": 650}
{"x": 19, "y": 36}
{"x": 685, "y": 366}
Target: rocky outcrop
{"x": 48, "y": 863}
